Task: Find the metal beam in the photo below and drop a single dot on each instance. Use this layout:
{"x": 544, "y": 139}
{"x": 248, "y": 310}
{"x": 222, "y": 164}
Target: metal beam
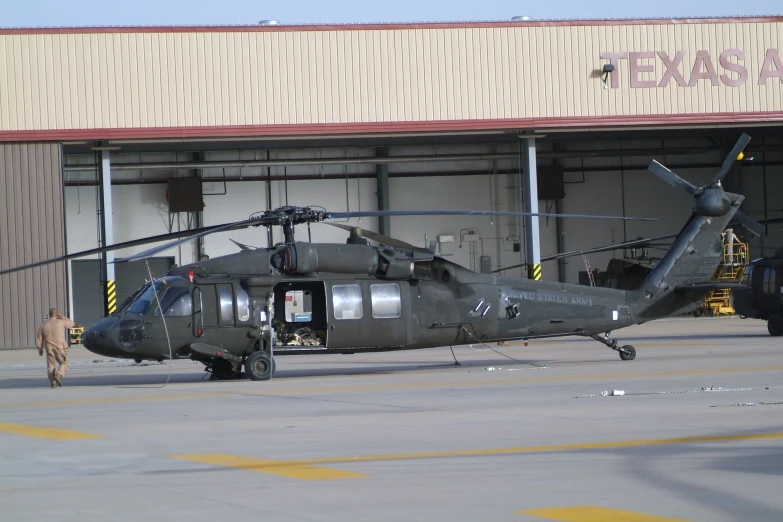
{"x": 382, "y": 177}
{"x": 107, "y": 234}
{"x": 530, "y": 194}
{"x": 377, "y": 159}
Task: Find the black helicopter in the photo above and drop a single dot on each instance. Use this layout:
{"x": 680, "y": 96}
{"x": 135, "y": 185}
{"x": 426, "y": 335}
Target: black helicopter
{"x": 762, "y": 297}
{"x": 238, "y": 311}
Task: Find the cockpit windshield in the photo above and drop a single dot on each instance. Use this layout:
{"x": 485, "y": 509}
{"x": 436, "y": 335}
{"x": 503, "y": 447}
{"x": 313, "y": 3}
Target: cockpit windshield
{"x": 146, "y": 297}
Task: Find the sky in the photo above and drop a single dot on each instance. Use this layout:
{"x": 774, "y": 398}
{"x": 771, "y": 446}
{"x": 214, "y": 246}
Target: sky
{"x": 57, "y": 13}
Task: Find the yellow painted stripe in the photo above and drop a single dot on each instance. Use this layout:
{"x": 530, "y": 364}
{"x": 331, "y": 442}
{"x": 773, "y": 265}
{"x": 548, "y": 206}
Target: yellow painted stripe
{"x": 45, "y": 433}
{"x": 547, "y": 448}
{"x": 594, "y": 514}
{"x": 111, "y": 296}
{"x": 297, "y": 470}
{"x": 396, "y": 386}
{"x": 534, "y": 272}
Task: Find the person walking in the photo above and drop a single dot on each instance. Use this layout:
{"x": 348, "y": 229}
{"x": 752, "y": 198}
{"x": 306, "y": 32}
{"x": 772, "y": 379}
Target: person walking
{"x": 51, "y": 337}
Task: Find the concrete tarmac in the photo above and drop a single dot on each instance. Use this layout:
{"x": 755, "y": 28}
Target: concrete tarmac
{"x": 697, "y": 434}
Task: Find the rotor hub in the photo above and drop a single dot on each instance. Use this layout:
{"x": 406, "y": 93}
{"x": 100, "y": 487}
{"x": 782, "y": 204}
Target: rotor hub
{"x": 712, "y": 202}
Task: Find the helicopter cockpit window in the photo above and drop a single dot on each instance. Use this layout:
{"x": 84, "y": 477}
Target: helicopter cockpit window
{"x": 243, "y": 305}
{"x": 747, "y": 277}
{"x": 142, "y": 303}
{"x": 175, "y": 302}
{"x": 385, "y": 301}
{"x": 347, "y": 301}
{"x": 226, "y": 299}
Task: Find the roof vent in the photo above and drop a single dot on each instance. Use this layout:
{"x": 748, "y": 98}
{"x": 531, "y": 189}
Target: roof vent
{"x": 268, "y": 22}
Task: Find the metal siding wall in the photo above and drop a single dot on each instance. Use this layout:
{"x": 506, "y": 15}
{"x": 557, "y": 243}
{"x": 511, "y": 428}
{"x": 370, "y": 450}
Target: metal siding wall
{"x": 180, "y": 79}
{"x": 31, "y": 229}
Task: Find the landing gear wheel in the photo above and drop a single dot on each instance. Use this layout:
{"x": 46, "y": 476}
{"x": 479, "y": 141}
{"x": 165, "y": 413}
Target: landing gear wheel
{"x": 259, "y": 366}
{"x": 627, "y": 352}
{"x": 775, "y": 325}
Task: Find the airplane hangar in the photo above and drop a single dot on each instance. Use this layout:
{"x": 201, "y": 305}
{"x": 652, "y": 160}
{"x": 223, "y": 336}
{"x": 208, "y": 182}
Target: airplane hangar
{"x": 118, "y": 133}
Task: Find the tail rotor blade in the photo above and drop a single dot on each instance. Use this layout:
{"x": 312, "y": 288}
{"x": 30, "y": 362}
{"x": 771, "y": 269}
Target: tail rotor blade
{"x": 742, "y": 142}
{"x": 670, "y": 177}
{"x": 749, "y": 223}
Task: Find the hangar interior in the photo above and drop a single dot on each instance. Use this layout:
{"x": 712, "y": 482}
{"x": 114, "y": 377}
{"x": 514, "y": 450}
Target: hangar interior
{"x": 601, "y": 173}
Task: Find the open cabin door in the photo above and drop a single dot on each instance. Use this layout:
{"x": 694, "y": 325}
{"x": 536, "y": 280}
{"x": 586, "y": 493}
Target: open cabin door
{"x": 368, "y": 314}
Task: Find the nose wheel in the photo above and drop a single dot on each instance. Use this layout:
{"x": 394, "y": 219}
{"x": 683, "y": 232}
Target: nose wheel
{"x": 627, "y": 352}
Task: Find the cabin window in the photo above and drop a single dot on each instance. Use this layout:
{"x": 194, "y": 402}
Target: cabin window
{"x": 175, "y": 302}
{"x": 243, "y": 305}
{"x": 385, "y": 301}
{"x": 226, "y": 300}
{"x": 747, "y": 277}
{"x": 347, "y": 301}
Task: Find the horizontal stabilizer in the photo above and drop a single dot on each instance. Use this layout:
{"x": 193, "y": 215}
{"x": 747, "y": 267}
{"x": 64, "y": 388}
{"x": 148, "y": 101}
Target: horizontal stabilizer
{"x": 709, "y": 287}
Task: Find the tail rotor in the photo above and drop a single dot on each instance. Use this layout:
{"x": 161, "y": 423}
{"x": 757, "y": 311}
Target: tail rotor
{"x": 711, "y": 200}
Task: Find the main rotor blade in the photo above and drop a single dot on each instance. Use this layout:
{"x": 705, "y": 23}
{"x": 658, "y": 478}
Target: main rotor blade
{"x": 749, "y": 223}
{"x": 242, "y": 245}
{"x": 375, "y": 236}
{"x": 116, "y": 246}
{"x": 171, "y": 244}
{"x": 381, "y": 213}
{"x": 670, "y": 177}
{"x": 732, "y": 157}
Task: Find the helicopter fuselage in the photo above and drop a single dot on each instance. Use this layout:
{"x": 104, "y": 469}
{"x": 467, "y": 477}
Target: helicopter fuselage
{"x": 219, "y": 310}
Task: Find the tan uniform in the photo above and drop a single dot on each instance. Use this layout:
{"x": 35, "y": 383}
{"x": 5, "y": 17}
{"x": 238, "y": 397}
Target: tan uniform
{"x": 51, "y": 336}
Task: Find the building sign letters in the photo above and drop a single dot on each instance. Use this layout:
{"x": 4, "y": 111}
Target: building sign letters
{"x": 661, "y": 68}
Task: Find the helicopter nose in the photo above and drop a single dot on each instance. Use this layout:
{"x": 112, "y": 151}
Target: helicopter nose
{"x": 98, "y": 340}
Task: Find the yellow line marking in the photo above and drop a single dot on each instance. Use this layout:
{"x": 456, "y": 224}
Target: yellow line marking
{"x": 542, "y": 449}
{"x": 45, "y": 433}
{"x": 399, "y": 386}
{"x": 297, "y": 470}
{"x": 594, "y": 514}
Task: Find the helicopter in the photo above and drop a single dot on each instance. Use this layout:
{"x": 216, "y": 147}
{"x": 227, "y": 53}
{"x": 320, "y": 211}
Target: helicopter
{"x": 761, "y": 298}
{"x": 239, "y": 311}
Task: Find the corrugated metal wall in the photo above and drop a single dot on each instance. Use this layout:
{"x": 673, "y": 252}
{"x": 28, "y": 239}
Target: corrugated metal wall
{"x": 31, "y": 229}
{"x": 188, "y": 78}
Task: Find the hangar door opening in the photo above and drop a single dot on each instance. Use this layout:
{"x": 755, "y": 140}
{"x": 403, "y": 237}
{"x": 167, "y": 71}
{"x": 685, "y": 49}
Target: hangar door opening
{"x": 88, "y": 288}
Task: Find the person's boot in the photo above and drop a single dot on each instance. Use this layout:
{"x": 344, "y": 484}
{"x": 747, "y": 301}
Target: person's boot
{"x": 58, "y": 379}
{"x": 54, "y": 385}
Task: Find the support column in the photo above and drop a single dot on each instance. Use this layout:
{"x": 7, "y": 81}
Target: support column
{"x": 382, "y": 175}
{"x": 107, "y": 234}
{"x": 559, "y": 230}
{"x": 529, "y": 174}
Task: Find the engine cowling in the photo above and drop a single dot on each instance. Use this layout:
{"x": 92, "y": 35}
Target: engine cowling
{"x": 308, "y": 258}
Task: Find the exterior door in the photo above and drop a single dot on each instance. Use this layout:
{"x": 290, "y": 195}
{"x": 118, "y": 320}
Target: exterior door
{"x": 367, "y": 314}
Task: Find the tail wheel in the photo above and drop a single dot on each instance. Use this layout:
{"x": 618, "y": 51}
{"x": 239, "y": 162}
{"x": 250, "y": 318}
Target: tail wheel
{"x": 775, "y": 325}
{"x": 259, "y": 366}
{"x": 627, "y": 352}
